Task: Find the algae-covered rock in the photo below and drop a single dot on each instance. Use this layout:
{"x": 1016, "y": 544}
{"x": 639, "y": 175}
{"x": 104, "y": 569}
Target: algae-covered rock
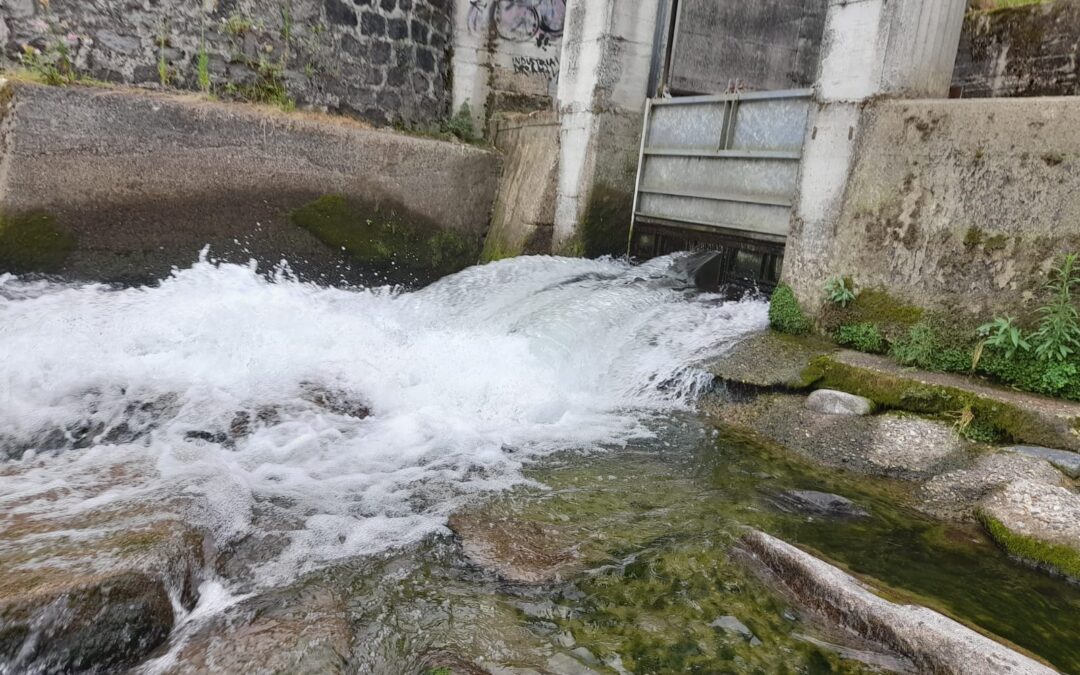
{"x": 769, "y": 360}
{"x": 33, "y": 243}
{"x": 1036, "y": 522}
{"x": 815, "y": 503}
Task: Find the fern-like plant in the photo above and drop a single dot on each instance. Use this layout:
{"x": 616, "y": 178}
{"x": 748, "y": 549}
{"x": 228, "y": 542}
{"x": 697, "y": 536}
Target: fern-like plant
{"x": 1058, "y": 334}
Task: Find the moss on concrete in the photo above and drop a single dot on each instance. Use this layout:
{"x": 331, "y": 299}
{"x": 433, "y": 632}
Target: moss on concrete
{"x": 1057, "y": 557}
{"x": 987, "y": 419}
{"x": 892, "y": 317}
{"x": 33, "y": 242}
{"x": 605, "y": 229}
{"x": 382, "y": 235}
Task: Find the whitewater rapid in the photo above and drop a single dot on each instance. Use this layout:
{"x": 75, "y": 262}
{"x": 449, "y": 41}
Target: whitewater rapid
{"x": 120, "y": 396}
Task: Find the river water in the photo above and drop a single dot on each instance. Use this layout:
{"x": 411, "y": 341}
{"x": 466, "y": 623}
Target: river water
{"x": 344, "y": 426}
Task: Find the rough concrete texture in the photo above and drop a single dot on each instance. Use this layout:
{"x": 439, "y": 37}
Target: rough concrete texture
{"x": 143, "y": 181}
{"x": 955, "y": 494}
{"x": 1035, "y": 510}
{"x": 1029, "y": 50}
{"x": 1032, "y": 418}
{"x": 831, "y": 402}
{"x": 934, "y": 642}
{"x": 770, "y": 44}
{"x": 387, "y": 62}
{"x": 961, "y": 206}
{"x": 1066, "y": 462}
{"x": 769, "y": 360}
{"x": 895, "y": 446}
{"x": 524, "y": 212}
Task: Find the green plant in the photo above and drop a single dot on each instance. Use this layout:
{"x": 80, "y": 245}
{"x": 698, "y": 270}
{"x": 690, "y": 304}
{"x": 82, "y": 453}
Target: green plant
{"x": 840, "y": 291}
{"x": 1002, "y": 333}
{"x": 918, "y": 348}
{"x": 163, "y": 65}
{"x": 441, "y": 670}
{"x": 785, "y": 314}
{"x": 238, "y": 24}
{"x": 202, "y": 64}
{"x": 865, "y": 337}
{"x": 461, "y": 125}
{"x": 53, "y": 64}
{"x": 1058, "y": 333}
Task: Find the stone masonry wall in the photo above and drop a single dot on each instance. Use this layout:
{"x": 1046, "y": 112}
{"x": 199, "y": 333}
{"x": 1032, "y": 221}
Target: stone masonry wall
{"x": 385, "y": 61}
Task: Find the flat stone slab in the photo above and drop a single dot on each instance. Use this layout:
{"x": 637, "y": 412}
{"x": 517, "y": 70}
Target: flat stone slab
{"x": 1048, "y": 514}
{"x": 1067, "y": 462}
{"x": 955, "y": 494}
{"x": 830, "y": 402}
{"x": 890, "y": 445}
{"x": 769, "y": 360}
{"x": 933, "y": 642}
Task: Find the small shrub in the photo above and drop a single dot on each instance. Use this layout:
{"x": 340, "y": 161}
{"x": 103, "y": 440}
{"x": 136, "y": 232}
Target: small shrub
{"x": 202, "y": 65}
{"x": 918, "y": 348}
{"x": 785, "y": 314}
{"x": 840, "y": 291}
{"x": 461, "y": 125}
{"x": 53, "y": 64}
{"x": 864, "y": 337}
{"x": 1058, "y": 334}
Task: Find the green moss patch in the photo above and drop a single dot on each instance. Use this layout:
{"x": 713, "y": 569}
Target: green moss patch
{"x": 605, "y": 229}
{"x": 785, "y": 314}
{"x": 892, "y": 317}
{"x": 33, "y": 243}
{"x": 980, "y": 418}
{"x": 1057, "y": 557}
{"x": 382, "y": 236}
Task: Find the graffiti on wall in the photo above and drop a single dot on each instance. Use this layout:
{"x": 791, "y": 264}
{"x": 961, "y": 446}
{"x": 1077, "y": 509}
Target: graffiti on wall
{"x": 538, "y": 21}
{"x": 534, "y": 65}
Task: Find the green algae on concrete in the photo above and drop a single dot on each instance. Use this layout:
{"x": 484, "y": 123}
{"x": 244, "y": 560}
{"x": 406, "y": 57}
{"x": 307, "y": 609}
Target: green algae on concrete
{"x": 385, "y": 235}
{"x": 1000, "y": 417}
{"x": 1056, "y": 557}
{"x": 33, "y": 242}
{"x": 605, "y": 228}
{"x": 771, "y": 361}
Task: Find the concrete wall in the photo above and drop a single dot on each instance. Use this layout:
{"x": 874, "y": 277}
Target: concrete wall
{"x": 134, "y": 183}
{"x": 386, "y": 61}
{"x": 1024, "y": 51}
{"x": 957, "y": 205}
{"x": 523, "y": 219}
{"x": 507, "y": 55}
{"x": 768, "y": 44}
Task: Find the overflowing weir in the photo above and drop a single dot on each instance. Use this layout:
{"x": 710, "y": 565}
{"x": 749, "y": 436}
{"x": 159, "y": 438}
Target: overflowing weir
{"x": 342, "y": 422}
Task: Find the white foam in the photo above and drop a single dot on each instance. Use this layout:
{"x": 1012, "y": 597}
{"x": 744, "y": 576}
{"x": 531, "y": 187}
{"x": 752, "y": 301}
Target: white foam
{"x": 466, "y": 380}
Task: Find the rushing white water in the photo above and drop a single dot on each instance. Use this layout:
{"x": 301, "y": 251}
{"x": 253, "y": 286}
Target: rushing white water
{"x": 243, "y": 395}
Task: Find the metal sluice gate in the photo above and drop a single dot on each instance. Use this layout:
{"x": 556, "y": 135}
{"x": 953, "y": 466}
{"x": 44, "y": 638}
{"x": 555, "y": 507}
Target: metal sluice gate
{"x": 721, "y": 173}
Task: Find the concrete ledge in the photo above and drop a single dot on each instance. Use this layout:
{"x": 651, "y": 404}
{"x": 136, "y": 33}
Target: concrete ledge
{"x": 134, "y": 183}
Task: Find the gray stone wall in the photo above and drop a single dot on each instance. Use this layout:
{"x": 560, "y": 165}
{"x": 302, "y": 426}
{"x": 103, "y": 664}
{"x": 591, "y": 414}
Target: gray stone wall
{"x": 761, "y": 45}
{"x": 385, "y": 61}
{"x": 1023, "y": 51}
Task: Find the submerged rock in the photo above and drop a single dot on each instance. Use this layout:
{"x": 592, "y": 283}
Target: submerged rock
{"x": 1037, "y": 522}
{"x": 524, "y": 552}
{"x": 1065, "y": 461}
{"x": 933, "y": 642}
{"x": 815, "y": 503}
{"x": 830, "y": 402}
{"x": 732, "y": 624}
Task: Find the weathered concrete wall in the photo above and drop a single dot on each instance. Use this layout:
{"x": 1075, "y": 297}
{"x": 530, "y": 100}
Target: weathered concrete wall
{"x": 1023, "y": 51}
{"x": 386, "y": 61}
{"x": 957, "y": 205}
{"x": 524, "y": 214}
{"x": 507, "y": 55}
{"x": 768, "y": 44}
{"x": 124, "y": 185}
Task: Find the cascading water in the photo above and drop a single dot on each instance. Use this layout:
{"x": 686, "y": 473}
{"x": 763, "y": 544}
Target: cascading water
{"x": 344, "y": 422}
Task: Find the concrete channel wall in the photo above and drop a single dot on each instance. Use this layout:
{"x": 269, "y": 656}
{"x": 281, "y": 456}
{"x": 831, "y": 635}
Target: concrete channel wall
{"x": 121, "y": 185}
{"x": 957, "y": 205}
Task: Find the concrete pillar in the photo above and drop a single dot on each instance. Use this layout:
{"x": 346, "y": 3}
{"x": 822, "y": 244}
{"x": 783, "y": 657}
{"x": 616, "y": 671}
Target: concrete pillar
{"x": 471, "y": 63}
{"x": 603, "y": 82}
{"x": 871, "y": 49}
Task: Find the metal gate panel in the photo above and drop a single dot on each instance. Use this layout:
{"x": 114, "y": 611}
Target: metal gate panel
{"x": 722, "y": 162}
